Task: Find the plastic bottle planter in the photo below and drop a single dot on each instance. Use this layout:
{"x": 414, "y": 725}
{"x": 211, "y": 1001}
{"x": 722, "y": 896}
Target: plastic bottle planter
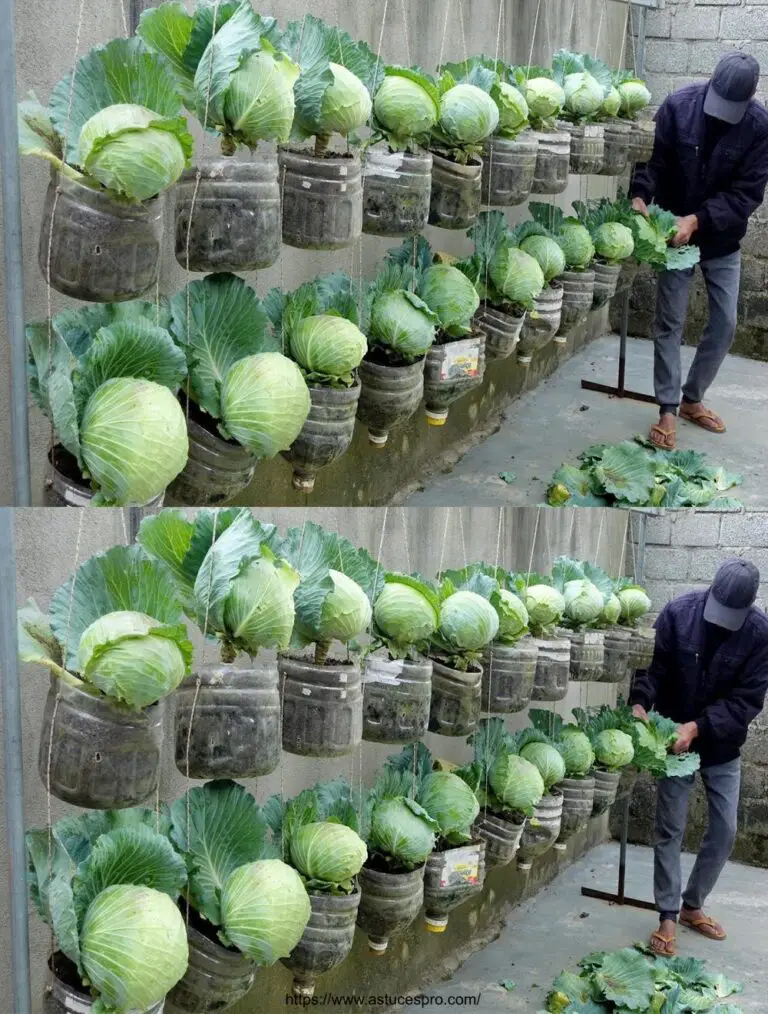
{"x": 389, "y": 396}
{"x": 627, "y": 782}
{"x": 587, "y": 147}
{"x": 230, "y": 727}
{"x": 216, "y": 469}
{"x": 606, "y": 789}
{"x": 542, "y": 830}
{"x": 215, "y": 979}
{"x": 456, "y": 193}
{"x": 451, "y": 370}
{"x": 616, "y": 655}
{"x": 641, "y": 648}
{"x": 396, "y": 696}
{"x": 641, "y": 140}
{"x": 606, "y": 283}
{"x": 327, "y": 939}
{"x": 234, "y": 212}
{"x": 455, "y": 706}
{"x": 326, "y": 434}
{"x": 539, "y": 329}
{"x": 63, "y": 998}
{"x": 322, "y": 199}
{"x": 502, "y": 331}
{"x": 322, "y": 707}
{"x": 508, "y": 675}
{"x": 578, "y": 800}
{"x": 508, "y": 170}
{"x": 552, "y": 669}
{"x": 578, "y": 296}
{"x": 100, "y": 250}
{"x": 100, "y": 758}
{"x": 396, "y": 192}
{"x": 66, "y": 487}
{"x": 501, "y": 837}
{"x": 587, "y": 654}
{"x": 616, "y": 153}
{"x": 553, "y": 162}
{"x": 450, "y": 879}
{"x": 389, "y": 903}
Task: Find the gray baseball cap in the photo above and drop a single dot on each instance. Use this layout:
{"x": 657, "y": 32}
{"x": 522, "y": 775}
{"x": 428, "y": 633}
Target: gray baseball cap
{"x": 733, "y": 86}
{"x": 732, "y": 595}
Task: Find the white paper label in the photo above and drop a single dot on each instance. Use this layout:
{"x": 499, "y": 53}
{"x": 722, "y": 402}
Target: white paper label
{"x": 384, "y": 671}
{"x": 460, "y": 359}
{"x": 306, "y": 691}
{"x": 342, "y": 677}
{"x": 462, "y": 866}
{"x": 592, "y": 131}
{"x": 342, "y": 170}
{"x": 306, "y": 184}
{"x": 592, "y": 637}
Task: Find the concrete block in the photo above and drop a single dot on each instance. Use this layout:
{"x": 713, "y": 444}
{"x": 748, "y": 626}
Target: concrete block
{"x": 753, "y": 814}
{"x": 704, "y": 56}
{"x": 753, "y": 274}
{"x": 748, "y": 529}
{"x": 754, "y": 780}
{"x": 667, "y": 56}
{"x": 701, "y": 23}
{"x": 755, "y": 309}
{"x": 695, "y": 529}
{"x": 755, "y": 750}
{"x": 665, "y": 564}
{"x": 661, "y": 592}
{"x": 658, "y": 25}
{"x": 658, "y": 529}
{"x": 705, "y": 562}
{"x": 743, "y": 24}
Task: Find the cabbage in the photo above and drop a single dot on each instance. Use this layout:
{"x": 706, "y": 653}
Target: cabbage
{"x": 259, "y": 103}
{"x": 577, "y": 752}
{"x": 346, "y": 104}
{"x": 513, "y": 109}
{"x": 133, "y": 440}
{"x": 517, "y": 276}
{"x": 548, "y": 760}
{"x": 548, "y": 253}
{"x": 264, "y": 910}
{"x": 403, "y": 322}
{"x": 516, "y": 782}
{"x": 513, "y": 616}
{"x": 467, "y": 621}
{"x": 611, "y": 611}
{"x": 133, "y": 946}
{"x": 402, "y": 829}
{"x": 133, "y": 658}
{"x": 328, "y": 852}
{"x": 583, "y": 602}
{"x": 451, "y": 802}
{"x": 346, "y": 611}
{"x": 634, "y": 605}
{"x": 468, "y": 114}
{"x": 634, "y": 98}
{"x": 403, "y": 106}
{"x": 265, "y": 402}
{"x": 258, "y": 609}
{"x": 577, "y": 245}
{"x": 328, "y": 346}
{"x": 403, "y": 615}
{"x": 613, "y": 242}
{"x": 613, "y": 749}
{"x": 545, "y": 606}
{"x": 583, "y": 94}
{"x": 451, "y": 296}
{"x": 611, "y": 103}
{"x": 545, "y": 98}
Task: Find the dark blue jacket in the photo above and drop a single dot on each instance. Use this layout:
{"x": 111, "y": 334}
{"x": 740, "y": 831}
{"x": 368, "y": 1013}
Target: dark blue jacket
{"x": 724, "y": 191}
{"x": 723, "y": 699}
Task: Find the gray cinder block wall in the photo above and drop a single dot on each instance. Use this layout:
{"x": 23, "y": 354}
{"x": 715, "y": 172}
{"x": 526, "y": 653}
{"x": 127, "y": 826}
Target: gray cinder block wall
{"x": 684, "y": 40}
{"x": 682, "y": 552}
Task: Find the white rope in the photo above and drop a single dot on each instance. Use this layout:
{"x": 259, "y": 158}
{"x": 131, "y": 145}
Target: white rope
{"x": 624, "y": 37}
{"x": 461, "y": 535}
{"x": 463, "y": 36}
{"x": 533, "y": 546}
{"x": 599, "y": 536}
{"x": 407, "y": 41}
{"x": 600, "y": 26}
{"x": 404, "y": 516}
{"x": 533, "y": 38}
{"x": 627, "y": 536}
{"x": 445, "y": 33}
{"x": 445, "y": 539}
{"x": 124, "y": 18}
{"x": 634, "y": 558}
{"x": 381, "y": 36}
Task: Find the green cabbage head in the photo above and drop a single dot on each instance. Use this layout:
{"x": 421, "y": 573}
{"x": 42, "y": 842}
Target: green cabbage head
{"x": 516, "y": 782}
{"x": 577, "y": 245}
{"x": 548, "y": 760}
{"x": 402, "y": 829}
{"x": 346, "y": 610}
{"x": 513, "y": 110}
{"x": 468, "y": 114}
{"x": 451, "y": 296}
{"x": 634, "y": 98}
{"x": 583, "y": 602}
{"x": 259, "y": 610}
{"x": 468, "y": 621}
{"x": 545, "y": 606}
{"x": 611, "y": 103}
{"x": 265, "y": 402}
{"x": 513, "y": 616}
{"x": 517, "y": 276}
{"x": 548, "y": 253}
{"x": 545, "y": 98}
{"x": 328, "y": 346}
{"x": 404, "y": 108}
{"x": 613, "y": 749}
{"x": 583, "y": 94}
{"x": 264, "y": 910}
{"x": 611, "y": 611}
{"x": 614, "y": 242}
{"x": 403, "y": 322}
{"x": 634, "y": 605}
{"x": 330, "y": 852}
{"x": 133, "y": 946}
{"x": 346, "y": 104}
{"x": 577, "y": 752}
{"x": 450, "y": 801}
{"x": 403, "y": 615}
{"x": 259, "y": 103}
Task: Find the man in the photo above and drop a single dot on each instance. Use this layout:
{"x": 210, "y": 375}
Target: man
{"x": 709, "y": 167}
{"x": 710, "y": 674}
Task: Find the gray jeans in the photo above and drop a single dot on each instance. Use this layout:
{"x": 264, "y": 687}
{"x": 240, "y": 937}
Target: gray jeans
{"x": 722, "y": 276}
{"x": 722, "y": 783}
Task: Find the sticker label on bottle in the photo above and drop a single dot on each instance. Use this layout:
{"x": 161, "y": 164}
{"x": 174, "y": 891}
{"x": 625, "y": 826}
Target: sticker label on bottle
{"x": 461, "y": 866}
{"x": 592, "y": 637}
{"x": 383, "y": 670}
{"x": 592, "y": 131}
{"x": 460, "y": 359}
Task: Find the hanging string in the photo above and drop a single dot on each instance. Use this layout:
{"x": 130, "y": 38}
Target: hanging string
{"x": 406, "y": 40}
{"x": 404, "y": 517}
{"x": 634, "y": 557}
{"x": 460, "y": 511}
{"x": 624, "y": 35}
{"x": 599, "y": 535}
{"x": 463, "y": 36}
{"x": 381, "y": 36}
{"x": 445, "y": 539}
{"x": 571, "y": 23}
{"x": 533, "y": 39}
{"x": 600, "y": 26}
{"x": 445, "y": 33}
{"x": 533, "y": 547}
{"x": 124, "y": 18}
{"x": 126, "y": 540}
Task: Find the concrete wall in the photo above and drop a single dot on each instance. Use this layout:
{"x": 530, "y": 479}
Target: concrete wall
{"x": 49, "y": 542}
{"x": 685, "y": 39}
{"x": 683, "y": 551}
{"x": 48, "y": 39}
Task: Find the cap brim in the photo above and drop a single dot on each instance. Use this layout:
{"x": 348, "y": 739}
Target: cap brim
{"x": 723, "y": 109}
{"x": 721, "y": 616}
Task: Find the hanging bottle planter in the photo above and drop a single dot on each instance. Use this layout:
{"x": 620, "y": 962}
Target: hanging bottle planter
{"x": 389, "y": 395}
{"x": 606, "y": 283}
{"x": 552, "y": 161}
{"x": 322, "y": 707}
{"x": 456, "y": 193}
{"x": 641, "y": 141}
{"x": 616, "y": 150}
{"x": 587, "y": 654}
{"x": 578, "y": 296}
{"x": 542, "y": 831}
{"x": 606, "y": 789}
{"x": 501, "y": 837}
{"x": 509, "y": 671}
{"x": 65, "y": 994}
{"x": 66, "y": 486}
{"x": 389, "y": 902}
{"x": 228, "y": 723}
{"x": 641, "y": 648}
{"x": 396, "y": 699}
{"x": 541, "y": 327}
{"x": 322, "y": 199}
{"x": 587, "y": 147}
{"x": 216, "y": 470}
{"x": 230, "y": 219}
{"x": 616, "y": 655}
{"x": 456, "y": 698}
{"x": 552, "y": 669}
{"x": 452, "y": 369}
{"x": 326, "y": 434}
{"x": 509, "y": 167}
{"x": 396, "y": 192}
{"x": 216, "y": 977}
{"x": 327, "y": 939}
{"x": 450, "y": 879}
{"x": 578, "y": 800}
{"x": 502, "y": 330}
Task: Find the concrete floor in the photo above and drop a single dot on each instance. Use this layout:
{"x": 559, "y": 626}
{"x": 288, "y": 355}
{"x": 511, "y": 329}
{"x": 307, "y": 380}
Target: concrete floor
{"x": 559, "y": 926}
{"x": 558, "y": 420}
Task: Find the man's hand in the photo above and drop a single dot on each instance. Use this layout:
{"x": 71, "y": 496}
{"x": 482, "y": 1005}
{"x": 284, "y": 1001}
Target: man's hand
{"x": 639, "y": 712}
{"x": 685, "y": 736}
{"x": 639, "y": 205}
{"x": 685, "y": 229}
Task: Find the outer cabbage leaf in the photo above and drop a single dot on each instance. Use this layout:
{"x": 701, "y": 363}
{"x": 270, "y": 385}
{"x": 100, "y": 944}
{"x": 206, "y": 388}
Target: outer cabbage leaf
{"x": 626, "y": 472}
{"x": 265, "y": 402}
{"x": 625, "y": 978}
{"x": 167, "y": 29}
{"x": 265, "y": 908}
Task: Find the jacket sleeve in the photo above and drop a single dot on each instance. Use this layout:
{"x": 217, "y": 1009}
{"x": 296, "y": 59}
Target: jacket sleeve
{"x": 645, "y": 688}
{"x": 728, "y": 719}
{"x": 645, "y": 179}
{"x": 731, "y": 209}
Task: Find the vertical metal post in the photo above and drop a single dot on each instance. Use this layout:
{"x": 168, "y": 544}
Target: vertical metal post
{"x": 10, "y": 685}
{"x": 640, "y": 48}
{"x": 621, "y": 889}
{"x": 134, "y": 522}
{"x": 137, "y": 9}
{"x": 621, "y": 383}
{"x": 13, "y": 257}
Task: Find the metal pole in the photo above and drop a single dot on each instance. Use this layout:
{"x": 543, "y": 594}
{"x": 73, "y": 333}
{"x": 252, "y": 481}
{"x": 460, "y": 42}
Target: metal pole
{"x": 623, "y": 851}
{"x": 137, "y": 9}
{"x": 134, "y": 522}
{"x": 12, "y": 759}
{"x": 640, "y": 50}
{"x": 13, "y": 257}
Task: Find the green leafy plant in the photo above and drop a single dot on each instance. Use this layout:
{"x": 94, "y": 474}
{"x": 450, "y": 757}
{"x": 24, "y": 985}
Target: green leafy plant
{"x": 540, "y": 750}
{"x": 545, "y": 604}
{"x": 584, "y": 601}
{"x": 572, "y": 742}
{"x": 573, "y": 237}
{"x": 545, "y": 97}
{"x": 503, "y": 275}
{"x": 653, "y": 739}
{"x": 494, "y": 77}
{"x": 406, "y": 614}
{"x": 400, "y": 833}
{"x": 541, "y": 244}
{"x": 505, "y": 783}
{"x": 468, "y": 112}
{"x": 609, "y": 228}
{"x": 653, "y": 233}
{"x": 608, "y": 731}
{"x": 399, "y": 323}
{"x": 406, "y": 108}
{"x": 468, "y": 619}
{"x": 633, "y": 92}
{"x": 584, "y": 91}
{"x": 494, "y": 583}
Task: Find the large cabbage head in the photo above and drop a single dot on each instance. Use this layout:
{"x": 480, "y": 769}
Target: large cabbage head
{"x": 613, "y": 749}
{"x": 516, "y": 782}
{"x": 468, "y": 621}
{"x": 328, "y": 346}
{"x": 346, "y": 104}
{"x": 577, "y": 245}
{"x": 403, "y": 615}
{"x": 265, "y": 402}
{"x": 133, "y": 658}
{"x": 517, "y": 276}
{"x": 468, "y": 114}
{"x": 513, "y": 109}
{"x": 548, "y": 760}
{"x": 611, "y": 611}
{"x": 403, "y": 830}
{"x": 577, "y": 752}
{"x": 450, "y": 801}
{"x": 264, "y": 910}
{"x": 404, "y": 108}
{"x": 545, "y": 606}
{"x": 634, "y": 98}
{"x": 404, "y": 323}
{"x": 513, "y": 616}
{"x": 545, "y": 98}
{"x": 133, "y": 946}
{"x": 634, "y": 605}
{"x": 614, "y": 242}
{"x": 548, "y": 253}
{"x": 451, "y": 296}
{"x": 583, "y": 94}
{"x": 611, "y": 103}
{"x": 346, "y": 610}
{"x": 259, "y": 103}
{"x": 583, "y": 602}
{"x": 259, "y": 610}
{"x": 133, "y": 440}
{"x": 330, "y": 852}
